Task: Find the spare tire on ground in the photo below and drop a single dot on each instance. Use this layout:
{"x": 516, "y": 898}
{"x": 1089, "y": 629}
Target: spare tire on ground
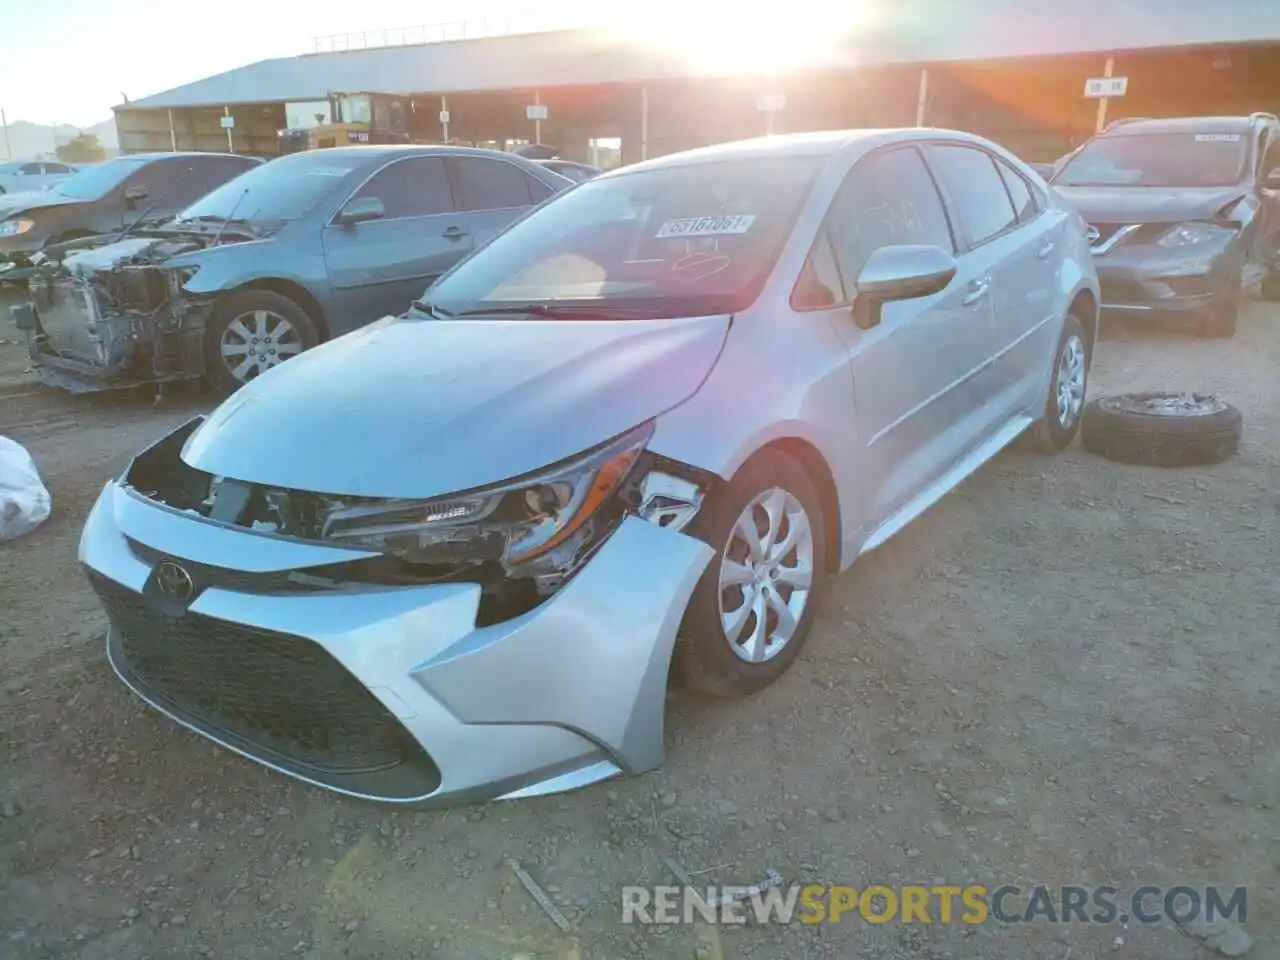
{"x": 1162, "y": 429}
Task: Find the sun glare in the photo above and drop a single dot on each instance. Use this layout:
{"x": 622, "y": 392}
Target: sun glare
{"x": 722, "y": 37}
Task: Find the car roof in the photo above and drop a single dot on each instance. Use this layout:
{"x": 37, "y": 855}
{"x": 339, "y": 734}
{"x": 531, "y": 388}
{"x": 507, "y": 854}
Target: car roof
{"x": 148, "y": 157}
{"x": 1137, "y": 127}
{"x": 373, "y": 151}
{"x": 822, "y": 143}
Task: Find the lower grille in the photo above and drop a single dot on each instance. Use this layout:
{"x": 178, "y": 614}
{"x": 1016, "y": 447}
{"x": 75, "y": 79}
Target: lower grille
{"x": 281, "y": 698}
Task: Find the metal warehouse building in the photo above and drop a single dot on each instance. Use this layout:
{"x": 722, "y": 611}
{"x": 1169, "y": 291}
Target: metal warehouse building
{"x": 1017, "y": 71}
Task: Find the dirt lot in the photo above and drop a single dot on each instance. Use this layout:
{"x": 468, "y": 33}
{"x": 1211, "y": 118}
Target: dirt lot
{"x": 1065, "y": 673}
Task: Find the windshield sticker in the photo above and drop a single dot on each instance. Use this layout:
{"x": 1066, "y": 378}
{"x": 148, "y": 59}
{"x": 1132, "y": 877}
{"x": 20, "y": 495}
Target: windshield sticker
{"x": 723, "y": 226}
{"x": 1217, "y": 138}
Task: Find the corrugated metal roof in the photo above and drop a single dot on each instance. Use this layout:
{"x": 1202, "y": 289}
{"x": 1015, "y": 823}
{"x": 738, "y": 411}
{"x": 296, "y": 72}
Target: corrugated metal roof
{"x": 923, "y": 31}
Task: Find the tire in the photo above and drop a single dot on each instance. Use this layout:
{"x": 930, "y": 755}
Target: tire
{"x": 706, "y": 659}
{"x": 1060, "y": 421}
{"x": 1162, "y": 429}
{"x": 1219, "y": 320}
{"x": 286, "y": 328}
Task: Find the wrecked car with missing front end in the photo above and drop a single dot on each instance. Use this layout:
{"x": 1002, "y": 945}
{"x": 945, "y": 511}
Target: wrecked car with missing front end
{"x": 295, "y": 252}
{"x": 114, "y": 314}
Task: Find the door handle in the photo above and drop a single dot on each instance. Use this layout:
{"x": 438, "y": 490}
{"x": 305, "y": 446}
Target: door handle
{"x": 454, "y": 233}
{"x": 1046, "y": 248}
{"x": 977, "y": 290}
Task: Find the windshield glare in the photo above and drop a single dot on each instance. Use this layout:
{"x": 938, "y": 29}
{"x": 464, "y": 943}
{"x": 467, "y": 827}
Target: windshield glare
{"x": 280, "y": 191}
{"x": 671, "y": 241}
{"x": 1157, "y": 160}
{"x": 92, "y": 183}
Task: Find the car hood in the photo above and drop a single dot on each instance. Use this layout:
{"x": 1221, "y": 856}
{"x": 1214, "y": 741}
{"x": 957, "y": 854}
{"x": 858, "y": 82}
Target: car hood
{"x": 1148, "y": 204}
{"x": 21, "y": 202}
{"x": 421, "y": 408}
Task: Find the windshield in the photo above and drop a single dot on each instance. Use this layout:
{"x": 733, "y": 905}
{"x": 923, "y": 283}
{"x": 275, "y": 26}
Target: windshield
{"x": 1157, "y": 160}
{"x": 665, "y": 242}
{"x": 279, "y": 191}
{"x": 94, "y": 182}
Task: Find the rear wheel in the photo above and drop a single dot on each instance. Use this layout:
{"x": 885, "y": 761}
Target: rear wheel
{"x": 251, "y": 332}
{"x": 752, "y": 610}
{"x": 1060, "y": 423}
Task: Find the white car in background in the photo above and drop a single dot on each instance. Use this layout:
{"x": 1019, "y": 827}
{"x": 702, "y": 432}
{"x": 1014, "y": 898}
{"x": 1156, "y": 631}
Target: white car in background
{"x": 23, "y": 175}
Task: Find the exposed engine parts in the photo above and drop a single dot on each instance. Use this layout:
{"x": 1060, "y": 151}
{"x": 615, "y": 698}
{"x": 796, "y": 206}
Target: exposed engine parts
{"x": 115, "y": 313}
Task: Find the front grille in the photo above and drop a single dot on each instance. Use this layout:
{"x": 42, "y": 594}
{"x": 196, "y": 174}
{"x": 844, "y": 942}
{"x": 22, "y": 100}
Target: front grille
{"x": 280, "y": 697}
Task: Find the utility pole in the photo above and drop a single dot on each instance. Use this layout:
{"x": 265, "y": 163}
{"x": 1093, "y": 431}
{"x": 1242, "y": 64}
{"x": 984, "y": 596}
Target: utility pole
{"x": 8, "y": 147}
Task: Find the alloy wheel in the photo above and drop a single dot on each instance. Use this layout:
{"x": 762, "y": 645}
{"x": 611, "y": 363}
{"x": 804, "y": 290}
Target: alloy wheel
{"x": 1071, "y": 381}
{"x": 256, "y": 341}
{"x": 766, "y": 575}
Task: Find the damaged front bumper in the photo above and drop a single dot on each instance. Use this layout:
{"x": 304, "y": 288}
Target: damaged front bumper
{"x": 399, "y": 693}
{"x": 1147, "y": 279}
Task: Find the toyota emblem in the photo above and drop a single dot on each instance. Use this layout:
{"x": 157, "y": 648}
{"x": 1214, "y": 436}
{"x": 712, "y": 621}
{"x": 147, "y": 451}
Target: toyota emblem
{"x": 174, "y": 582}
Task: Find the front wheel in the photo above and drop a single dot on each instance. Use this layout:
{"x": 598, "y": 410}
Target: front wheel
{"x": 1060, "y": 422}
{"x": 751, "y": 611}
{"x": 251, "y": 332}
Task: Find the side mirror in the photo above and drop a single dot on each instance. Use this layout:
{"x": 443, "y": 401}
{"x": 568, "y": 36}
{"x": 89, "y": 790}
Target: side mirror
{"x": 135, "y": 193}
{"x": 899, "y": 273}
{"x": 361, "y": 210}
{"x": 1272, "y": 180}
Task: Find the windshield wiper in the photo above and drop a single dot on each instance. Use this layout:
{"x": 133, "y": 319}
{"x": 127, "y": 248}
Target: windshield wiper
{"x": 559, "y": 311}
{"x": 422, "y": 306}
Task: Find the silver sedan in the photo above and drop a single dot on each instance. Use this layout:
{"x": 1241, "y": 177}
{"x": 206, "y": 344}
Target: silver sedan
{"x": 458, "y": 554}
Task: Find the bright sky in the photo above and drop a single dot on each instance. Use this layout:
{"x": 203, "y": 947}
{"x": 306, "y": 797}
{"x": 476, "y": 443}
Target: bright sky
{"x": 71, "y": 61}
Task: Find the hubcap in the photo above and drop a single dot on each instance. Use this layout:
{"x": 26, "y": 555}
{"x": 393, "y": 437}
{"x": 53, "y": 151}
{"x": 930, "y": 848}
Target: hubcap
{"x": 1071, "y": 376}
{"x": 256, "y": 341}
{"x": 766, "y": 575}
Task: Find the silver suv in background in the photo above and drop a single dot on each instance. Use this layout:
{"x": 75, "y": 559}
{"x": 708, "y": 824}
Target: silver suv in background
{"x": 457, "y": 553}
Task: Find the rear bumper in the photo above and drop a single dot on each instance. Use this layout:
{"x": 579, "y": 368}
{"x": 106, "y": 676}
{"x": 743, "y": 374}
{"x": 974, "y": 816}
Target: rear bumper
{"x": 433, "y": 708}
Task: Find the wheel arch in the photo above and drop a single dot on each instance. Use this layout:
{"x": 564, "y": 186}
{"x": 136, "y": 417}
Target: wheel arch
{"x": 1084, "y": 305}
{"x": 295, "y": 292}
{"x": 815, "y": 465}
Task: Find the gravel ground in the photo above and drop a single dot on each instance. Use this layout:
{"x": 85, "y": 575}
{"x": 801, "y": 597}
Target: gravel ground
{"x": 1064, "y": 674}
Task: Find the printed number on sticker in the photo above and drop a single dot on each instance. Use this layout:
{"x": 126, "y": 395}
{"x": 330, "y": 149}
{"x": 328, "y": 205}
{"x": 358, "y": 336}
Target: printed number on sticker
{"x": 706, "y": 226}
{"x": 1217, "y": 138}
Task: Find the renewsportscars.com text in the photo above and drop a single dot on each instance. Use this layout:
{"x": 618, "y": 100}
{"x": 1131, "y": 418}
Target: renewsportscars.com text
{"x": 944, "y": 904}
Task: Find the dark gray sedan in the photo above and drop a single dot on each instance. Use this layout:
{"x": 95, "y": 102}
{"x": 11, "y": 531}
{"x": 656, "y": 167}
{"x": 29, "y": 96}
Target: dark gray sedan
{"x": 302, "y": 249}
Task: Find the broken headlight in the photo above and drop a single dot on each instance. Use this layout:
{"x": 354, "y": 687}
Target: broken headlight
{"x": 513, "y": 523}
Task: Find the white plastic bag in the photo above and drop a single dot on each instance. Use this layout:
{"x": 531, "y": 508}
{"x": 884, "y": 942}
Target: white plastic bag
{"x": 24, "y": 499}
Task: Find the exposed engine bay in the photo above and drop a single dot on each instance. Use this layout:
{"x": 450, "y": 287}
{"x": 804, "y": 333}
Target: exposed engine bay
{"x": 114, "y": 315}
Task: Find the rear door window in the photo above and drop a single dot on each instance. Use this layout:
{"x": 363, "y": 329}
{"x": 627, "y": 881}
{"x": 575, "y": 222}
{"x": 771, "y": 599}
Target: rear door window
{"x": 485, "y": 184}
{"x": 975, "y": 189}
{"x": 1024, "y": 201}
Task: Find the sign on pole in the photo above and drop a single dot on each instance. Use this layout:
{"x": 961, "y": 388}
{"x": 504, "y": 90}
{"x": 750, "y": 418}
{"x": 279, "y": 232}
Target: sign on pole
{"x": 1095, "y": 88}
{"x": 536, "y": 111}
{"x": 444, "y": 116}
{"x": 228, "y": 122}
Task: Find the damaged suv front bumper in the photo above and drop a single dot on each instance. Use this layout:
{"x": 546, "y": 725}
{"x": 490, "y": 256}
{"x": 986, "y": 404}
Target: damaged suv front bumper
{"x": 392, "y": 693}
